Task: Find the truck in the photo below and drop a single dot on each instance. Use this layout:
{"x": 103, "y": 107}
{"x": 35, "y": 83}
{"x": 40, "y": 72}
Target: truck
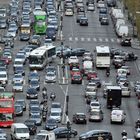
{"x": 114, "y": 96}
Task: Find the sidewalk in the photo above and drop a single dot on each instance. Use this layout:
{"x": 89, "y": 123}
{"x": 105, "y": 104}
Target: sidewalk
{"x": 136, "y": 41}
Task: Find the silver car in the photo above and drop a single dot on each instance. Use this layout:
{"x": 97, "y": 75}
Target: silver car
{"x": 18, "y": 87}
{"x": 50, "y": 77}
{"x": 18, "y": 78}
{"x": 37, "y": 118}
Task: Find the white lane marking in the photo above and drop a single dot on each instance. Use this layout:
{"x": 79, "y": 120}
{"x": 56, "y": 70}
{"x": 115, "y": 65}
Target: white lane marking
{"x": 82, "y": 39}
{"x": 88, "y": 39}
{"x": 106, "y": 40}
{"x": 70, "y": 38}
{"x": 112, "y": 40}
{"x": 76, "y": 38}
{"x": 95, "y": 39}
{"x": 100, "y": 39}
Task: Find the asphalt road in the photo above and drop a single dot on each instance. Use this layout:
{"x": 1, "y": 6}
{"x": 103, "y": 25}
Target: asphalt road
{"x": 85, "y": 37}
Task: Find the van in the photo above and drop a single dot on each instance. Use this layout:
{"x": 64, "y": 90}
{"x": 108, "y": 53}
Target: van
{"x": 48, "y": 135}
{"x": 122, "y": 30}
{"x": 19, "y": 131}
{"x": 87, "y": 67}
{"x": 3, "y": 77}
{"x": 125, "y": 91}
{"x": 119, "y": 22}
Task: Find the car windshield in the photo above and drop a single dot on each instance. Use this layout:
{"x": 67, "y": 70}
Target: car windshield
{"x": 50, "y": 74}
{"x": 94, "y": 104}
{"x": 55, "y": 106}
{"x": 22, "y": 130}
{"x": 55, "y": 114}
{"x": 95, "y": 113}
{"x": 34, "y": 108}
{"x": 40, "y": 137}
{"x": 35, "y": 116}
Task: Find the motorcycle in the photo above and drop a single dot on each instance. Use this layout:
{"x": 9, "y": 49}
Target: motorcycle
{"x": 52, "y": 96}
{"x": 44, "y": 116}
{"x": 107, "y": 74}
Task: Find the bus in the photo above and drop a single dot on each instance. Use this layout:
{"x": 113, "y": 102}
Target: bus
{"x": 40, "y": 23}
{"x": 39, "y": 57}
{"x": 6, "y": 109}
{"x": 25, "y": 28}
{"x": 103, "y": 59}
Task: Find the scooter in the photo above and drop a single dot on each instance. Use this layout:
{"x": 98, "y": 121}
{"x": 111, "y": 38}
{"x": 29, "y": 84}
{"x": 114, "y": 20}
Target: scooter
{"x": 107, "y": 74}
{"x": 44, "y": 116}
{"x": 52, "y": 96}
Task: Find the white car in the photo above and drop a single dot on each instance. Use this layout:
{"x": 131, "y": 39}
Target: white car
{"x": 18, "y": 78}
{"x": 56, "y": 116}
{"x": 73, "y": 59}
{"x": 11, "y": 32}
{"x": 3, "y": 77}
{"x": 94, "y": 105}
{"x": 90, "y": 91}
{"x": 18, "y": 87}
{"x": 117, "y": 116}
{"x": 69, "y": 12}
{"x": 48, "y": 42}
{"x": 91, "y": 7}
{"x": 121, "y": 72}
{"x": 127, "y": 68}
{"x": 100, "y": 4}
{"x": 56, "y": 107}
{"x": 50, "y": 77}
{"x": 126, "y": 92}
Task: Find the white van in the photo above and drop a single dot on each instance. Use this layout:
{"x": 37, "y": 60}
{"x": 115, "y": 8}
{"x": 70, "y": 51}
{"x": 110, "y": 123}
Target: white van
{"x": 19, "y": 131}
{"x": 122, "y": 30}
{"x": 3, "y": 77}
{"x": 126, "y": 92}
{"x": 45, "y": 135}
{"x": 87, "y": 66}
{"x": 119, "y": 22}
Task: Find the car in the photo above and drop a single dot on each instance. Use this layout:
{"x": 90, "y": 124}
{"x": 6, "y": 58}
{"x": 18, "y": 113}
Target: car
{"x": 126, "y": 92}
{"x": 48, "y": 42}
{"x": 95, "y": 115}
{"x": 121, "y": 72}
{"x": 34, "y": 83}
{"x": 79, "y": 15}
{"x": 6, "y": 60}
{"x": 31, "y": 124}
{"x": 83, "y": 21}
{"x": 31, "y": 93}
{"x": 33, "y": 75}
{"x": 17, "y": 86}
{"x": 63, "y": 50}
{"x": 76, "y": 79}
{"x": 37, "y": 118}
{"x": 3, "y": 68}
{"x": 78, "y": 52}
{"x": 95, "y": 134}
{"x": 24, "y": 36}
{"x": 136, "y": 84}
{"x": 3, "y": 23}
{"x": 104, "y": 20}
{"x": 50, "y": 68}
{"x": 125, "y": 41}
{"x": 22, "y": 103}
{"x": 8, "y": 55}
{"x": 3, "y": 78}
{"x": 56, "y": 115}
{"x": 56, "y": 107}
{"x": 54, "y": 23}
{"x": 87, "y": 56}
{"x": 3, "y": 134}
{"x": 79, "y": 118}
{"x": 117, "y": 116}
{"x": 91, "y": 7}
{"x": 27, "y": 51}
{"x": 90, "y": 96}
{"x": 111, "y": 3}
{"x": 50, "y": 77}
{"x": 100, "y": 4}
{"x": 123, "y": 81}
{"x": 51, "y": 124}
{"x": 21, "y": 56}
{"x": 19, "y": 70}
{"x": 94, "y": 105}
{"x": 11, "y": 32}
{"x": 105, "y": 88}
{"x": 34, "y": 102}
{"x": 18, "y": 63}
{"x": 62, "y": 132}
{"x": 73, "y": 59}
{"x": 35, "y": 40}
{"x": 91, "y": 87}
{"x": 91, "y": 74}
{"x": 137, "y": 92}
{"x": 34, "y": 109}
{"x": 69, "y": 12}
{"x": 18, "y": 78}
{"x": 51, "y": 32}
{"x": 18, "y": 110}
{"x": 127, "y": 68}
{"x": 75, "y": 71}
{"x": 97, "y": 81}
{"x": 119, "y": 63}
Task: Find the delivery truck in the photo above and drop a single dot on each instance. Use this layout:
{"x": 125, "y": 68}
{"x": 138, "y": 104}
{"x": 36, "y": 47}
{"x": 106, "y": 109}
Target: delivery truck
{"x": 114, "y": 96}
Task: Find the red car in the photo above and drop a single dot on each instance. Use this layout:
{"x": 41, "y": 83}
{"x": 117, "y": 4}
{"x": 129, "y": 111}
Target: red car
{"x": 75, "y": 71}
{"x": 92, "y": 74}
{"x": 76, "y": 79}
{"x": 74, "y": 65}
{"x": 6, "y": 60}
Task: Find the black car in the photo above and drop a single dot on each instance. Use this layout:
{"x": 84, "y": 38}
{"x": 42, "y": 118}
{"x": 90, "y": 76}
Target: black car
{"x": 111, "y": 3}
{"x": 79, "y": 15}
{"x": 104, "y": 21}
{"x": 83, "y": 21}
{"x": 22, "y": 103}
{"x": 24, "y": 37}
{"x": 95, "y": 134}
{"x": 34, "y": 84}
{"x": 79, "y": 118}
{"x": 62, "y": 132}
{"x": 126, "y": 41}
{"x": 19, "y": 70}
{"x": 51, "y": 33}
{"x": 18, "y": 110}
{"x": 51, "y": 124}
{"x": 78, "y": 52}
{"x": 31, "y": 124}
{"x": 31, "y": 93}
